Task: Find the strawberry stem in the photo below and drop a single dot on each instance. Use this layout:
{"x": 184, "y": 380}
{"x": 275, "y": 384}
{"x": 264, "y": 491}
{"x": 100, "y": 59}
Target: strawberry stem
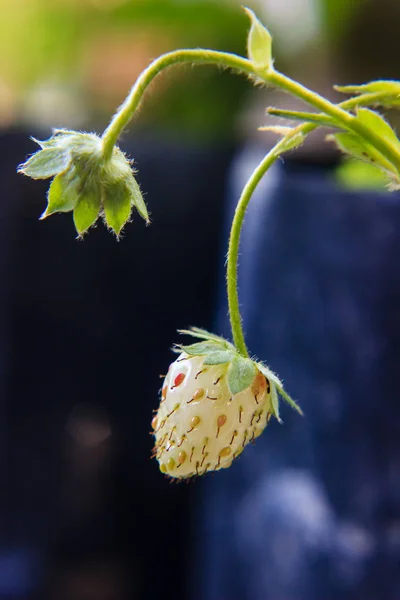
{"x": 237, "y": 223}
{"x": 341, "y": 118}
{"x": 134, "y": 98}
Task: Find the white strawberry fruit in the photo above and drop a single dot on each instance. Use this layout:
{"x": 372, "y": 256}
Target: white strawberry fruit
{"x": 213, "y": 403}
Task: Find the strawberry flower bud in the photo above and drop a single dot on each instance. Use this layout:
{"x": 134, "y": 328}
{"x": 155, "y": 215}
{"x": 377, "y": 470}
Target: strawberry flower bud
{"x": 84, "y": 182}
{"x": 213, "y": 403}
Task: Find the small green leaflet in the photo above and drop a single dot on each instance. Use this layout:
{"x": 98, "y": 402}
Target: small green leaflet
{"x": 266, "y": 371}
{"x": 117, "y": 205}
{"x": 46, "y": 163}
{"x": 376, "y": 122}
{"x": 275, "y": 403}
{"x": 60, "y": 137}
{"x": 241, "y": 374}
{"x": 63, "y": 194}
{"x": 355, "y": 174}
{"x": 289, "y": 400}
{"x": 388, "y": 90}
{"x": 137, "y": 199}
{"x": 220, "y": 357}
{"x": 202, "y": 348}
{"x": 202, "y": 334}
{"x": 259, "y": 43}
{"x": 389, "y": 86}
{"x": 350, "y": 143}
{"x": 87, "y": 209}
{"x": 306, "y": 117}
{"x": 215, "y": 349}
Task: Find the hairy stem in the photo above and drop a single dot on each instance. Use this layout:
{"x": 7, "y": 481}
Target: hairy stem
{"x": 237, "y": 223}
{"x": 339, "y": 114}
{"x": 248, "y": 191}
{"x": 133, "y": 100}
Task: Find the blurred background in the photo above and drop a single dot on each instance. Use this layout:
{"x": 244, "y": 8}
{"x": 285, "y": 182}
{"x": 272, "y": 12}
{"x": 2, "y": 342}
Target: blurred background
{"x": 312, "y": 512}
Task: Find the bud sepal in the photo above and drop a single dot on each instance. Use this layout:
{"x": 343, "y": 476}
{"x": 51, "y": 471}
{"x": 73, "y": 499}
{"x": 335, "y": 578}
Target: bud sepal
{"x": 84, "y": 182}
{"x": 259, "y": 43}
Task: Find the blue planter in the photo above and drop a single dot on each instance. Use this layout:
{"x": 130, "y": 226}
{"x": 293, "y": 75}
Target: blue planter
{"x": 312, "y": 510}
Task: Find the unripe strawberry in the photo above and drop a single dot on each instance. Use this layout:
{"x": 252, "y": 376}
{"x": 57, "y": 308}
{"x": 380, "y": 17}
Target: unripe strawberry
{"x": 213, "y": 403}
{"x": 200, "y": 425}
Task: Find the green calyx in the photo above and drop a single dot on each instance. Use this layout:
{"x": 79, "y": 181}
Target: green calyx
{"x": 241, "y": 371}
{"x": 84, "y": 182}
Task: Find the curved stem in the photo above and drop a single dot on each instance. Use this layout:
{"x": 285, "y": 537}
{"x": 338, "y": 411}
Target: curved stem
{"x": 234, "y": 238}
{"x": 233, "y": 252}
{"x": 133, "y": 100}
{"x": 272, "y": 77}
{"x": 343, "y": 118}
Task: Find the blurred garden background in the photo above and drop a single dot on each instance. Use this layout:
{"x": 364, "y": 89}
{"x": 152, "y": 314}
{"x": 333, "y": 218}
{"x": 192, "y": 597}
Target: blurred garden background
{"x": 70, "y": 63}
{"x": 312, "y": 511}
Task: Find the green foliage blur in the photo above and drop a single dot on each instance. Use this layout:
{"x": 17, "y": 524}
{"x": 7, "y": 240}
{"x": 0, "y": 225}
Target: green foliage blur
{"x": 89, "y": 52}
{"x": 70, "y": 63}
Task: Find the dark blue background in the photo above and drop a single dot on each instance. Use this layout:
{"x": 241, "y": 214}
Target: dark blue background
{"x": 311, "y": 511}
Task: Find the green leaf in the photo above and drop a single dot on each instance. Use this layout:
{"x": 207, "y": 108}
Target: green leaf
{"x": 289, "y": 400}
{"x": 386, "y": 92}
{"x": 376, "y": 122}
{"x": 219, "y": 357}
{"x": 63, "y": 193}
{"x": 350, "y": 143}
{"x": 137, "y": 200}
{"x": 46, "y": 163}
{"x": 259, "y": 43}
{"x": 87, "y": 209}
{"x": 117, "y": 205}
{"x": 275, "y": 403}
{"x": 241, "y": 374}
{"x": 354, "y": 174}
{"x": 390, "y": 88}
{"x": 201, "y": 348}
{"x": 197, "y": 332}
{"x": 306, "y": 117}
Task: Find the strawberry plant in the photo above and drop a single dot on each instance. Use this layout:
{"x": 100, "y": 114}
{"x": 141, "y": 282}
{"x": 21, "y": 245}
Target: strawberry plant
{"x": 216, "y": 398}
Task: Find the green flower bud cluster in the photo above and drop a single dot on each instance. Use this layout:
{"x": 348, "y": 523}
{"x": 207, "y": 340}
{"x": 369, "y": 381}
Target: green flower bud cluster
{"x": 84, "y": 182}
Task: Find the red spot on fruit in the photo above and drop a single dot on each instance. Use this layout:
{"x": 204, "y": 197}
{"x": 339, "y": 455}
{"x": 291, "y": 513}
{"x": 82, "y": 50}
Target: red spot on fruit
{"x": 179, "y": 379}
{"x": 259, "y": 386}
